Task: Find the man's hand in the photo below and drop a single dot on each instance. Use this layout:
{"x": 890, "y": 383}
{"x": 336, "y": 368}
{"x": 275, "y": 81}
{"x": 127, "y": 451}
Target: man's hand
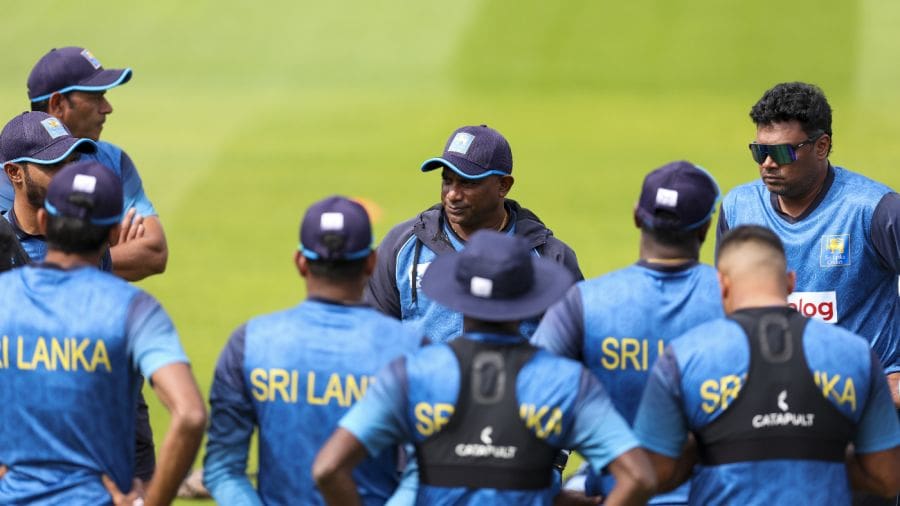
{"x": 133, "y": 498}
{"x": 2, "y": 471}
{"x": 132, "y": 227}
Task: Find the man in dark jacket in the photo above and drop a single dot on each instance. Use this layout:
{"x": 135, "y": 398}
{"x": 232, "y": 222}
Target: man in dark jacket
{"x": 476, "y": 172}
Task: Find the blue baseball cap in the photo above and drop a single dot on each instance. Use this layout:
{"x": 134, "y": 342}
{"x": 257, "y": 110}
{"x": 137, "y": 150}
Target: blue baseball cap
{"x": 474, "y": 152}
{"x": 496, "y": 278}
{"x": 86, "y": 190}
{"x": 37, "y": 137}
{"x": 336, "y": 228}
{"x": 71, "y": 69}
{"x": 677, "y": 196}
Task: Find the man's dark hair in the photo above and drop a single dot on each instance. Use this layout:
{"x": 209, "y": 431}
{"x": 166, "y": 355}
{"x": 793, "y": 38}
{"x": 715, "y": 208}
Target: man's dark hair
{"x": 751, "y": 233}
{"x": 805, "y": 103}
{"x": 41, "y": 106}
{"x": 671, "y": 236}
{"x": 338, "y": 270}
{"x": 73, "y": 235}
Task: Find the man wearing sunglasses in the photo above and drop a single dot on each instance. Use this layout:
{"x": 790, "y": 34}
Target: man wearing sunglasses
{"x": 841, "y": 230}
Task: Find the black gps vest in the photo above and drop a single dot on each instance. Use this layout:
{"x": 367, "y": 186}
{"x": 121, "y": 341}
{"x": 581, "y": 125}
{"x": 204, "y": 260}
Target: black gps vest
{"x": 486, "y": 444}
{"x": 779, "y": 412}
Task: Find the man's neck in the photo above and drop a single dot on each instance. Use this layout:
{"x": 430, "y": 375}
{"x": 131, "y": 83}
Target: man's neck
{"x": 350, "y": 293}
{"x": 72, "y": 260}
{"x": 26, "y": 215}
{"x": 654, "y": 252}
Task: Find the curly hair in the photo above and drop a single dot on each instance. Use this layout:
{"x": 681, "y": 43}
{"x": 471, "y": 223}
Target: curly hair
{"x": 805, "y": 103}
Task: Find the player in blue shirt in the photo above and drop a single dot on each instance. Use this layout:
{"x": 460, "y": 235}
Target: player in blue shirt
{"x": 69, "y": 83}
{"x": 618, "y": 324}
{"x": 487, "y": 428}
{"x": 73, "y": 347}
{"x": 772, "y": 398}
{"x": 841, "y": 230}
{"x": 294, "y": 373}
{"x": 476, "y": 172}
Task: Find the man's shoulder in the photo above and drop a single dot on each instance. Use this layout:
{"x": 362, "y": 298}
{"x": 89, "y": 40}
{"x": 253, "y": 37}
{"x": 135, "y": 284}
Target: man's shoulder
{"x": 859, "y": 185}
{"x": 400, "y": 233}
{"x": 751, "y": 188}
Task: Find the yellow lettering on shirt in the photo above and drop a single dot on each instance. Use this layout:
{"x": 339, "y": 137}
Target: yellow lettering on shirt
{"x": 259, "y": 385}
{"x": 54, "y": 354}
{"x": 431, "y": 418}
{"x": 628, "y": 353}
{"x": 718, "y": 393}
{"x": 830, "y": 384}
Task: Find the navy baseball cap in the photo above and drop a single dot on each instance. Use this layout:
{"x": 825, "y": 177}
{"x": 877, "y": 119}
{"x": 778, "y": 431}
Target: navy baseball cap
{"x": 37, "y": 137}
{"x": 88, "y": 191}
{"x": 474, "y": 152}
{"x": 685, "y": 193}
{"x": 496, "y": 278}
{"x": 336, "y": 228}
{"x": 71, "y": 69}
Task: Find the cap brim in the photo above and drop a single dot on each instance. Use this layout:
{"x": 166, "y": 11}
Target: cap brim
{"x": 462, "y": 167}
{"x": 58, "y": 151}
{"x": 551, "y": 281}
{"x": 101, "y": 81}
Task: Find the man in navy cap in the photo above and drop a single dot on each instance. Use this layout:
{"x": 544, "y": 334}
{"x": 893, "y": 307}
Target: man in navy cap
{"x": 772, "y": 398}
{"x": 619, "y": 323}
{"x": 69, "y": 83}
{"x": 34, "y": 147}
{"x": 487, "y": 428}
{"x": 74, "y": 346}
{"x": 294, "y": 373}
{"x": 476, "y": 172}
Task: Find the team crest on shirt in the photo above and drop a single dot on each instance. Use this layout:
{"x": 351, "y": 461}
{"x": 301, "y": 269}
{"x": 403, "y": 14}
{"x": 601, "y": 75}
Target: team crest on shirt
{"x": 89, "y": 56}
{"x": 834, "y": 250}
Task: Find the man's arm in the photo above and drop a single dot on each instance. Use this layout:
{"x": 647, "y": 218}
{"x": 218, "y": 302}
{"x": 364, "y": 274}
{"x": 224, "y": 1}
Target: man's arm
{"x": 877, "y": 473}
{"x": 672, "y": 472}
{"x": 603, "y": 437}
{"x": 175, "y": 386}
{"x": 873, "y": 462}
{"x": 142, "y": 250}
{"x": 334, "y": 466}
{"x": 231, "y": 426}
{"x": 885, "y": 233}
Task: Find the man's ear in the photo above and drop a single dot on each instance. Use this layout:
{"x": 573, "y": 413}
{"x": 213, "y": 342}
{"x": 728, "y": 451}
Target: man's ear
{"x": 371, "y": 260}
{"x": 301, "y": 263}
{"x": 637, "y": 219}
{"x": 791, "y": 281}
{"x": 57, "y": 104}
{"x": 823, "y": 146}
{"x": 506, "y": 184}
{"x": 724, "y": 289}
{"x": 113, "y": 233}
{"x": 14, "y": 172}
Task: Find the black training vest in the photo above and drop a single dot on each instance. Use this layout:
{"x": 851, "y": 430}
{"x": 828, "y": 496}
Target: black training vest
{"x": 779, "y": 412}
{"x": 485, "y": 444}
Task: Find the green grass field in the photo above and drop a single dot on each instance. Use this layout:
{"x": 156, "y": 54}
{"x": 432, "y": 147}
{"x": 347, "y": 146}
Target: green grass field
{"x": 240, "y": 114}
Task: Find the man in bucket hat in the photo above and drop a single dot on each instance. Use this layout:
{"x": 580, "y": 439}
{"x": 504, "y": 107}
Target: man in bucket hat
{"x": 476, "y": 173}
{"x": 487, "y": 428}
{"x": 70, "y": 84}
{"x": 619, "y": 323}
{"x": 294, "y": 373}
{"x": 69, "y": 379}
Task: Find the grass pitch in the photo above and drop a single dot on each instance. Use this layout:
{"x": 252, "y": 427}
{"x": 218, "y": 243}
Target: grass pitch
{"x": 241, "y": 114}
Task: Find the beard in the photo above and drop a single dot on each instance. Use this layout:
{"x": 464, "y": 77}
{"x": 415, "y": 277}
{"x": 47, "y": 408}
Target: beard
{"x": 35, "y": 194}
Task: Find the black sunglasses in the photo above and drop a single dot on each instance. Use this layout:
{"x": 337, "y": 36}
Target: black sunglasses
{"x": 782, "y": 154}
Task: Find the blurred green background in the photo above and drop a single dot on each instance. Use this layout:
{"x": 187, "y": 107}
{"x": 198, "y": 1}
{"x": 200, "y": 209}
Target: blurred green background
{"x": 240, "y": 114}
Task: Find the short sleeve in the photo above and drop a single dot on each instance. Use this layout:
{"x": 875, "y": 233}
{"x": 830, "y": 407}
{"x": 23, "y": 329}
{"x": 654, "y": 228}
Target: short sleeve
{"x": 878, "y": 428}
{"x": 153, "y": 342}
{"x": 133, "y": 189}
